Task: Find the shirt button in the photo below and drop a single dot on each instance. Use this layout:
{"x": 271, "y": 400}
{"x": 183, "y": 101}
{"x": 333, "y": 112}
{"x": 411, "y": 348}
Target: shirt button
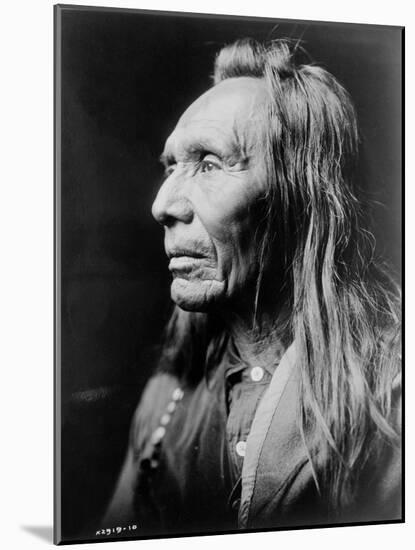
{"x": 257, "y": 373}
{"x": 241, "y": 448}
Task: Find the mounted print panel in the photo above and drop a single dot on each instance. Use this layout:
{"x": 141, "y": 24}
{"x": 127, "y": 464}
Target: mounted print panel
{"x": 228, "y": 269}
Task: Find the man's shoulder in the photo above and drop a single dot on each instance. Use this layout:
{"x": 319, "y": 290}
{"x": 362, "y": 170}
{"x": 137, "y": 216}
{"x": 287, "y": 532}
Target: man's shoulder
{"x": 159, "y": 391}
{"x": 159, "y": 385}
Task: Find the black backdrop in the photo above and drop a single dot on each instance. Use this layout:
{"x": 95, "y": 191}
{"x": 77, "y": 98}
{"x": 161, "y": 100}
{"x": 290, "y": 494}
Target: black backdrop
{"x": 126, "y": 76}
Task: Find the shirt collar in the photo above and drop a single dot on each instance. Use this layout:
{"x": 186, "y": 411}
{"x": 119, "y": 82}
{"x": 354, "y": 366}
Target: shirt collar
{"x": 234, "y": 362}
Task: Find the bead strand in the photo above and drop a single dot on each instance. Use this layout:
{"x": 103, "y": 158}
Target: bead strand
{"x": 157, "y": 436}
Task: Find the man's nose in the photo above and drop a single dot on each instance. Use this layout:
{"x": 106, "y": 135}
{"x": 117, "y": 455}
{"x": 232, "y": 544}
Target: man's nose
{"x": 171, "y": 203}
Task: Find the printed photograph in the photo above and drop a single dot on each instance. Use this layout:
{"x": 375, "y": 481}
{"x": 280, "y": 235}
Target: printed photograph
{"x": 228, "y": 273}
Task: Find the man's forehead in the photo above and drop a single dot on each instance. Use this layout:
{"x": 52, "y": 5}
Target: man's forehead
{"x": 233, "y": 97}
{"x": 229, "y": 110}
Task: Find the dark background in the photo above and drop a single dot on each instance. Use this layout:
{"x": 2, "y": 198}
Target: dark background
{"x": 126, "y": 76}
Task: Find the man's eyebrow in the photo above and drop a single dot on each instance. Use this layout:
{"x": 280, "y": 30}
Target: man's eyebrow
{"x": 227, "y": 146}
{"x": 224, "y": 145}
{"x": 167, "y": 158}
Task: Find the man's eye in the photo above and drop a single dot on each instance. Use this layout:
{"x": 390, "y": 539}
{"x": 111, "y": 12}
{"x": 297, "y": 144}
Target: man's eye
{"x": 208, "y": 165}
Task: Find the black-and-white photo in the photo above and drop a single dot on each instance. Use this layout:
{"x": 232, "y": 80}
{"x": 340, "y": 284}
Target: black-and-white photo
{"x": 228, "y": 205}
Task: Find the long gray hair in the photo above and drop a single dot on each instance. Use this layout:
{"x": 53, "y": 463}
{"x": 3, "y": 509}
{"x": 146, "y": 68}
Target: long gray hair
{"x": 344, "y": 308}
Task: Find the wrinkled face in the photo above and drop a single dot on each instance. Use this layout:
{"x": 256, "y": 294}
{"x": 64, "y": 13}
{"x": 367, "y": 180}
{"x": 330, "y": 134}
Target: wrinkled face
{"x": 209, "y": 201}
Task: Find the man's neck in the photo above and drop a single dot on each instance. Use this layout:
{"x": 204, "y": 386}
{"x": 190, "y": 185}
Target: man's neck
{"x": 262, "y": 343}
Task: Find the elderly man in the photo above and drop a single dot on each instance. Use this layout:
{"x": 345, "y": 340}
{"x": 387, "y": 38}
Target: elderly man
{"x": 276, "y": 398}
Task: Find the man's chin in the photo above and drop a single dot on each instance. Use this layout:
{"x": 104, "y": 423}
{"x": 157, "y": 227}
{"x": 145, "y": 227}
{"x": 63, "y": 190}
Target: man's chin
{"x": 197, "y": 295}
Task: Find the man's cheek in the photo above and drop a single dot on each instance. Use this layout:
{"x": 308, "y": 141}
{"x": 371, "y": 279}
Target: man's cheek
{"x": 225, "y": 225}
{"x": 225, "y": 205}
{"x": 236, "y": 260}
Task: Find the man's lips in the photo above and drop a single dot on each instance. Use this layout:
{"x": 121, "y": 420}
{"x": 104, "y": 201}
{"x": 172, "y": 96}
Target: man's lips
{"x": 185, "y": 263}
{"x": 184, "y": 253}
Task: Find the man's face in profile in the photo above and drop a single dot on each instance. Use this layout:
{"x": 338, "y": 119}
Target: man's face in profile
{"x": 208, "y": 202}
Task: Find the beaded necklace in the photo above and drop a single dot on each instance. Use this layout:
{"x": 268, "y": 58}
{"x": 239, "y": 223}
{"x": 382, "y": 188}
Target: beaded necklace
{"x": 152, "y": 462}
